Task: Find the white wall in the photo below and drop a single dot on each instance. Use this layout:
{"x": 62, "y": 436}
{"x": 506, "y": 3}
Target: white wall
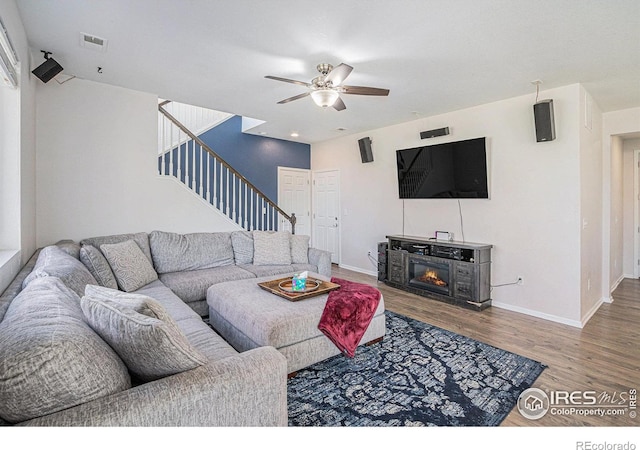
{"x": 617, "y": 211}
{"x": 533, "y": 218}
{"x": 97, "y": 167}
{"x": 590, "y": 126}
{"x": 629, "y": 206}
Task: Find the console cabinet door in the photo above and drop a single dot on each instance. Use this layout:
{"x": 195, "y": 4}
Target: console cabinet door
{"x": 465, "y": 281}
{"x": 396, "y": 266}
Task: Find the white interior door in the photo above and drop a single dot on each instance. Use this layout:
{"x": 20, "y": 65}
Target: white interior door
{"x": 294, "y": 196}
{"x": 326, "y": 212}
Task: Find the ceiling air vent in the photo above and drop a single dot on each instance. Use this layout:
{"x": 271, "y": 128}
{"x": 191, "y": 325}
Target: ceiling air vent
{"x": 93, "y": 42}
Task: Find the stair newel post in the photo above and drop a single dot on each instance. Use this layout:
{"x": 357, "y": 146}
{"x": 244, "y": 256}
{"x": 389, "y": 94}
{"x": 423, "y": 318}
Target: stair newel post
{"x": 293, "y": 221}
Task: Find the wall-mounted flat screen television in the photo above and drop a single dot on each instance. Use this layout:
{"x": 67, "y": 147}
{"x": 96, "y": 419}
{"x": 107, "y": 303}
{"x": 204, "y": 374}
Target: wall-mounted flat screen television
{"x": 448, "y": 170}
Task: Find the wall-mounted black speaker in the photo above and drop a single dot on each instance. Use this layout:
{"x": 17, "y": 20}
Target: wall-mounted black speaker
{"x": 365, "y": 149}
{"x": 545, "y": 123}
{"x": 434, "y": 133}
{"x": 47, "y": 70}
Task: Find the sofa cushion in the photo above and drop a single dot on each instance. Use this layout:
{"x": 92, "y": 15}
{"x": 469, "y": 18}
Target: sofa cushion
{"x": 299, "y": 249}
{"x": 242, "y": 242}
{"x": 142, "y": 239}
{"x": 50, "y": 359}
{"x": 264, "y": 271}
{"x": 192, "y": 285}
{"x": 173, "y": 252}
{"x": 95, "y": 262}
{"x": 54, "y": 262}
{"x": 141, "y": 332}
{"x": 130, "y": 267}
{"x": 271, "y": 248}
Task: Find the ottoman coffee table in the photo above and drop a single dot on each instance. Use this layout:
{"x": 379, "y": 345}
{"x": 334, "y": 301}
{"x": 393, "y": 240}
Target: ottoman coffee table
{"x": 248, "y": 317}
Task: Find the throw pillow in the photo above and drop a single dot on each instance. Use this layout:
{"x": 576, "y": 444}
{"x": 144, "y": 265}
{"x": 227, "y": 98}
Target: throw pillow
{"x": 99, "y": 267}
{"x": 271, "y": 248}
{"x": 55, "y": 262}
{"x": 299, "y": 249}
{"x": 50, "y": 359}
{"x": 242, "y": 242}
{"x": 130, "y": 267}
{"x": 141, "y": 332}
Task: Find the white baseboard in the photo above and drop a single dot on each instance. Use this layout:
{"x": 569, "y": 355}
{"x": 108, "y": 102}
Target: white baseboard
{"x": 530, "y": 312}
{"x": 593, "y": 310}
{"x": 359, "y": 270}
{"x": 618, "y": 281}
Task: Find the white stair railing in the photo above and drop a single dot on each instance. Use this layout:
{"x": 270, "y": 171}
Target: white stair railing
{"x": 186, "y": 157}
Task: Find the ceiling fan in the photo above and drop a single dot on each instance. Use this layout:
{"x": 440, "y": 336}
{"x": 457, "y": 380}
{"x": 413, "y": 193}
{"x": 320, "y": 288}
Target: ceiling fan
{"x": 325, "y": 89}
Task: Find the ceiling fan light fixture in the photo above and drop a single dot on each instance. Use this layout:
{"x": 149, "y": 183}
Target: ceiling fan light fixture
{"x": 324, "y": 97}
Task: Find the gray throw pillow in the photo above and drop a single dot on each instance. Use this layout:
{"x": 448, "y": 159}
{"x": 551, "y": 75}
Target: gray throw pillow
{"x": 242, "y": 242}
{"x": 54, "y": 262}
{"x": 129, "y": 265}
{"x": 299, "y": 249}
{"x": 99, "y": 267}
{"x": 271, "y": 248}
{"x": 50, "y": 359}
{"x": 141, "y": 332}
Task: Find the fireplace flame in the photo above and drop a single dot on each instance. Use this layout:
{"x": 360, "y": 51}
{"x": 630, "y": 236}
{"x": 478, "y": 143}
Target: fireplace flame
{"x": 431, "y": 276}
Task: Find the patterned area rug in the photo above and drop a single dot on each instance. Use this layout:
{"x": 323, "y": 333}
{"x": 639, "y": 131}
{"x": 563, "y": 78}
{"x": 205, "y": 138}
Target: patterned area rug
{"x": 420, "y": 375}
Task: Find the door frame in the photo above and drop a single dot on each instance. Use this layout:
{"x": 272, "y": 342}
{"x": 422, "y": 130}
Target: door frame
{"x": 309, "y": 200}
{"x": 313, "y": 208}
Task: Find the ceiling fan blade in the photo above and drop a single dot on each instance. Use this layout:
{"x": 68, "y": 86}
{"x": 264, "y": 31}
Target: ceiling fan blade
{"x": 290, "y": 99}
{"x": 287, "y": 80}
{"x": 363, "y": 90}
{"x": 338, "y": 74}
{"x": 339, "y": 105}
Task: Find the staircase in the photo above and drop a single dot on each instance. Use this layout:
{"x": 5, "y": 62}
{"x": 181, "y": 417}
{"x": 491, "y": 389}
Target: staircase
{"x": 185, "y": 157}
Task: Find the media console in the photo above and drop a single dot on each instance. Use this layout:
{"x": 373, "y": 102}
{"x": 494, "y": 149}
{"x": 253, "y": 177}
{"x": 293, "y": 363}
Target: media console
{"x": 450, "y": 271}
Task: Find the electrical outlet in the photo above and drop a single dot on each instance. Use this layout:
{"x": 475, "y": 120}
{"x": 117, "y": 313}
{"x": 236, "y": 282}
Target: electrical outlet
{"x": 520, "y": 280}
{"x": 369, "y": 253}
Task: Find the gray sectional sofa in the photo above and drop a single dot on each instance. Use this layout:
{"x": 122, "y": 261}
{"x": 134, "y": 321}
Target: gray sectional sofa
{"x": 71, "y": 317}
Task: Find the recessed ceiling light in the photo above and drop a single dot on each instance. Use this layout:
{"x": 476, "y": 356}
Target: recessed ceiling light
{"x": 294, "y": 134}
{"x": 262, "y": 133}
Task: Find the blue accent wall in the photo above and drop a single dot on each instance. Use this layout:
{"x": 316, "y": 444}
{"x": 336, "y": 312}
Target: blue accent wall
{"x": 256, "y": 157}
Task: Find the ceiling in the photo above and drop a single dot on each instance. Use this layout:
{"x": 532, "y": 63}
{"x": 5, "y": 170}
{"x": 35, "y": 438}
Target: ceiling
{"x": 435, "y": 56}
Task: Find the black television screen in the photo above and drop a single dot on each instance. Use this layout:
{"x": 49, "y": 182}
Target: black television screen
{"x": 448, "y": 170}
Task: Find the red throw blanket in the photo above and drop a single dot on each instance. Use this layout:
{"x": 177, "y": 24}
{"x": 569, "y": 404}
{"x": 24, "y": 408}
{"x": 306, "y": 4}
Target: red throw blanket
{"x": 348, "y": 313}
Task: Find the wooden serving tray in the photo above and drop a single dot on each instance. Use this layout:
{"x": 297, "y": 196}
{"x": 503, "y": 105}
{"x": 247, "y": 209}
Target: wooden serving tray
{"x": 273, "y": 287}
